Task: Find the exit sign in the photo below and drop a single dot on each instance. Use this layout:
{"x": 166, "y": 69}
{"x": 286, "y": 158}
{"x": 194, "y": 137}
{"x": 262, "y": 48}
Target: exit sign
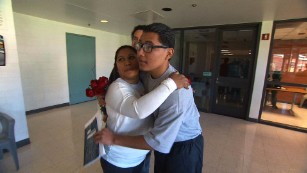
{"x": 265, "y": 36}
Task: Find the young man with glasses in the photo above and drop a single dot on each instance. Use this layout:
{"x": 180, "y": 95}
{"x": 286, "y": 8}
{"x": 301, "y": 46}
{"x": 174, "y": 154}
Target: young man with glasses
{"x": 176, "y": 136}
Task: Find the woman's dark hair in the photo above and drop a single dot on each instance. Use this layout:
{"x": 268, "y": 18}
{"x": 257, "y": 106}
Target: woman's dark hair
{"x": 166, "y": 34}
{"x": 114, "y": 73}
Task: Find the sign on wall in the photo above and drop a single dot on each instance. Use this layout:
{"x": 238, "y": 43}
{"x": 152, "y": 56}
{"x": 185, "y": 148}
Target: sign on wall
{"x": 2, "y": 51}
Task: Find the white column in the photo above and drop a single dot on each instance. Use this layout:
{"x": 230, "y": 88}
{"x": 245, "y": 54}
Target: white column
{"x": 262, "y": 60}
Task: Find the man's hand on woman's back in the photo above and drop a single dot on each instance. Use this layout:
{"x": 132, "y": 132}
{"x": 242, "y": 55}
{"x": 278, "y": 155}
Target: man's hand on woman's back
{"x": 180, "y": 80}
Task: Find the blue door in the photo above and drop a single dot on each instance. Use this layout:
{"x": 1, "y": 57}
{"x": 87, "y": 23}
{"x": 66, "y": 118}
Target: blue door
{"x": 81, "y": 62}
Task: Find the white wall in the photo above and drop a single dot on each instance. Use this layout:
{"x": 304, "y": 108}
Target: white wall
{"x": 11, "y": 95}
{"x": 43, "y": 61}
{"x": 262, "y": 60}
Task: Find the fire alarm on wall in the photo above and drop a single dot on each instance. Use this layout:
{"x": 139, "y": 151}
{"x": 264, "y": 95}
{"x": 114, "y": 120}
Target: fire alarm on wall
{"x": 265, "y": 36}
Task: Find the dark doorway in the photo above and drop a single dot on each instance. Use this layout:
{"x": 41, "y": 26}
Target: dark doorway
{"x": 235, "y": 59}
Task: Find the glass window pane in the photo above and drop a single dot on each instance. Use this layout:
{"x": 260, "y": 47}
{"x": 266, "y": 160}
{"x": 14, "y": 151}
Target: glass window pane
{"x": 198, "y": 63}
{"x": 289, "y": 54}
{"x": 176, "y": 59}
{"x": 236, "y": 53}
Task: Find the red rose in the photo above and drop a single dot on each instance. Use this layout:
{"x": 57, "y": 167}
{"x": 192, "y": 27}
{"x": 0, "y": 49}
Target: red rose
{"x": 97, "y": 87}
{"x": 103, "y": 81}
{"x": 89, "y": 92}
{"x": 101, "y": 85}
{"x": 94, "y": 83}
{"x": 100, "y": 91}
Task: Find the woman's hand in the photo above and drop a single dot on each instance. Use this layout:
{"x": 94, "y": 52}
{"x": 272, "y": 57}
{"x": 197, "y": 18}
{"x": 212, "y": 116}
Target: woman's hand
{"x": 180, "y": 80}
{"x": 105, "y": 136}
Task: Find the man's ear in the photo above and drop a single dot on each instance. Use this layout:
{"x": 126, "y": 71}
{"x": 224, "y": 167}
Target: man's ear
{"x": 170, "y": 53}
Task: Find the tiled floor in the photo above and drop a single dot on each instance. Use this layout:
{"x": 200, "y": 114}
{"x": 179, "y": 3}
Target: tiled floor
{"x": 231, "y": 145}
{"x": 297, "y": 117}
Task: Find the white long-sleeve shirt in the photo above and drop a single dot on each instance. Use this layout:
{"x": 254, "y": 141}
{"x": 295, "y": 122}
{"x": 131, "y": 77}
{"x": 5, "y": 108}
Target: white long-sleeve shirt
{"x": 128, "y": 114}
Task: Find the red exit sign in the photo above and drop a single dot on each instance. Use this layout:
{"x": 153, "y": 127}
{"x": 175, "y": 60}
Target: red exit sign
{"x": 265, "y": 36}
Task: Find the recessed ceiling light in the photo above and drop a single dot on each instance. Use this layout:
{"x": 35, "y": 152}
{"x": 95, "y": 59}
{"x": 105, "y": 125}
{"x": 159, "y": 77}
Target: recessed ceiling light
{"x": 167, "y": 9}
{"x": 104, "y": 21}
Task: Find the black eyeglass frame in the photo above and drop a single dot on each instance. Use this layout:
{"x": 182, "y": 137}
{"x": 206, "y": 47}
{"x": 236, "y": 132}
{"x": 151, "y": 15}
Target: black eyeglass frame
{"x": 139, "y": 46}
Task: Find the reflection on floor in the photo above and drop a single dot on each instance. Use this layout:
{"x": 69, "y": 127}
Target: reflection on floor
{"x": 296, "y": 117}
{"x": 231, "y": 145}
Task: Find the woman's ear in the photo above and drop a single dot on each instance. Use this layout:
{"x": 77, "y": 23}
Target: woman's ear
{"x": 170, "y": 53}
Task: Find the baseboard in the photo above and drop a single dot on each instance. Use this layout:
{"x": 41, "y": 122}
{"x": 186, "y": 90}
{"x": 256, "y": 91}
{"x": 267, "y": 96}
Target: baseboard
{"x": 46, "y": 108}
{"x": 285, "y": 126}
{"x": 253, "y": 120}
{"x": 20, "y": 144}
{"x": 23, "y": 142}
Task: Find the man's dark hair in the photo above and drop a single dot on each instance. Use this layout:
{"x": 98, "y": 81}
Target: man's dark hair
{"x": 166, "y": 34}
{"x": 138, "y": 27}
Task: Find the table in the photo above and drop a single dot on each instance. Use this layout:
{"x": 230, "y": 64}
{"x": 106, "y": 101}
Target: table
{"x": 291, "y": 90}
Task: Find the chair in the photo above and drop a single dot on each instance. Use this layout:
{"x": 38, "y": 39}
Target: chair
{"x": 7, "y": 137}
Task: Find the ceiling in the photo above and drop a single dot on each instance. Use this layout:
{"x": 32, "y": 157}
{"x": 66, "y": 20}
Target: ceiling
{"x": 123, "y": 15}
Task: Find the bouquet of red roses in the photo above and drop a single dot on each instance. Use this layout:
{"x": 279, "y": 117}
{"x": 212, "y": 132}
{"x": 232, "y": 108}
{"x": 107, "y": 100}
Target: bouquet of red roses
{"x": 98, "y": 88}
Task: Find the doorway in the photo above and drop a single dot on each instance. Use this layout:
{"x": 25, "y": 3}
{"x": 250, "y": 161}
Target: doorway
{"x": 220, "y": 62}
{"x": 235, "y": 59}
{"x": 285, "y": 92}
{"x": 81, "y": 62}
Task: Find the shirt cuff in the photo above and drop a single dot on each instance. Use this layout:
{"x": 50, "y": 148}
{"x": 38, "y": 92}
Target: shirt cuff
{"x": 170, "y": 84}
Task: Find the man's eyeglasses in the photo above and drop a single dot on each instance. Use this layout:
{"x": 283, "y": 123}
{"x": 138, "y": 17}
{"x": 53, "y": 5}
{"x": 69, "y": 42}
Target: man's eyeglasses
{"x": 147, "y": 47}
